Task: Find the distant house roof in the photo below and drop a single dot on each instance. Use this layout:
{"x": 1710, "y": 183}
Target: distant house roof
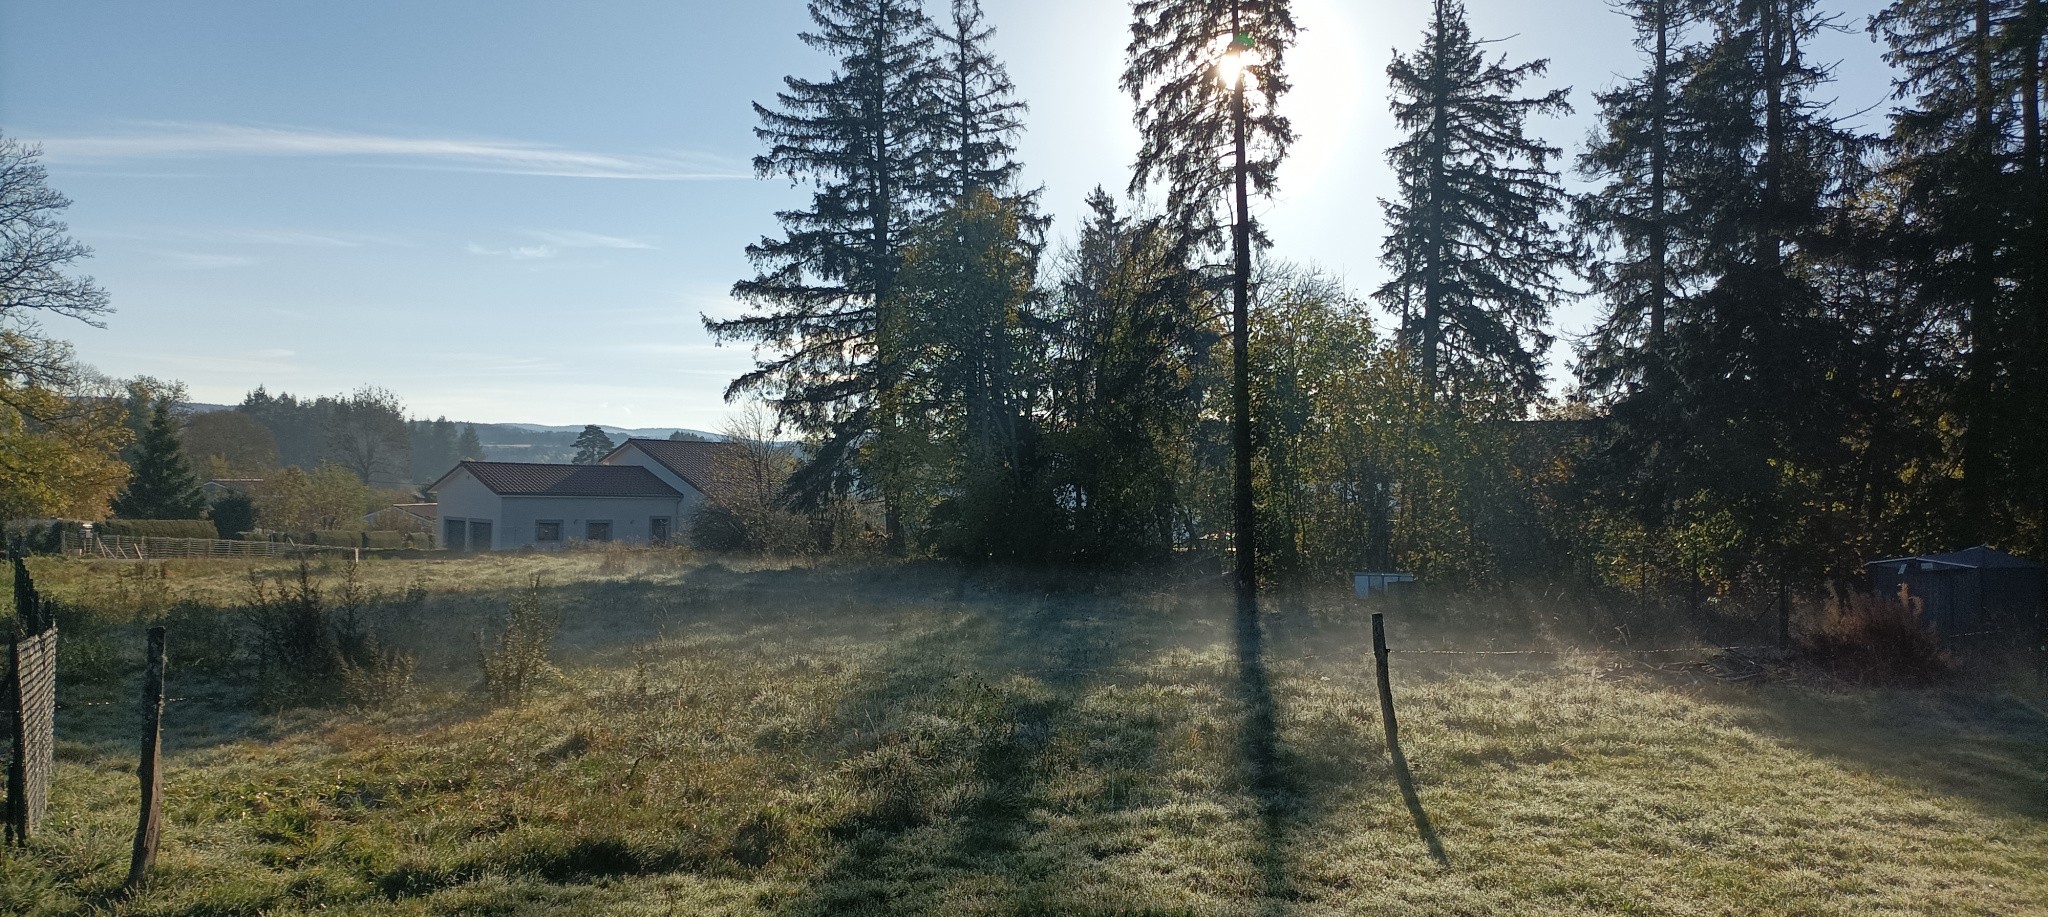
{"x": 240, "y": 485}
{"x": 526, "y": 479}
{"x": 695, "y": 461}
{"x": 428, "y": 511}
{"x": 1981, "y": 557}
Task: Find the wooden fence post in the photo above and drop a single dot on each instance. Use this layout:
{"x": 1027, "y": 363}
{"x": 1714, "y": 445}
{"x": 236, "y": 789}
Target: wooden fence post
{"x": 150, "y": 824}
{"x": 1784, "y": 615}
{"x": 1401, "y": 774}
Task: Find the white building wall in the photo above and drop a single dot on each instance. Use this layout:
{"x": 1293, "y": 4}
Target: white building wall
{"x": 462, "y": 497}
{"x": 630, "y": 454}
{"x": 629, "y": 517}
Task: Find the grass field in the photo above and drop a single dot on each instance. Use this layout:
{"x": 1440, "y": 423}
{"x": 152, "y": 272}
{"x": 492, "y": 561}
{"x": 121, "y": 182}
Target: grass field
{"x": 745, "y": 739}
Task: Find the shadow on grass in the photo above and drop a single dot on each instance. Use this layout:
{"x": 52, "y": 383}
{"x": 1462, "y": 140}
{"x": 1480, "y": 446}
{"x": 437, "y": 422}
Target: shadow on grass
{"x": 1971, "y": 742}
{"x": 1272, "y": 792}
{"x": 950, "y": 737}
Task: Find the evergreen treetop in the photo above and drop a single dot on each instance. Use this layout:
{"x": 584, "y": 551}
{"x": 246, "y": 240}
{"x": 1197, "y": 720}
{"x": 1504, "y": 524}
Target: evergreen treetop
{"x": 863, "y": 139}
{"x": 591, "y": 445}
{"x": 1475, "y": 255}
{"x": 162, "y": 486}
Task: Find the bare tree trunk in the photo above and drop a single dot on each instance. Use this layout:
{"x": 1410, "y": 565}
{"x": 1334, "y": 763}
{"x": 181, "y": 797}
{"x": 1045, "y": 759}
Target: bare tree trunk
{"x": 1980, "y": 365}
{"x": 1245, "y": 514}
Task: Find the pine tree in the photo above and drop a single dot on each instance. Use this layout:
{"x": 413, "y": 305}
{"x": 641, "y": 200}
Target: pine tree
{"x": 591, "y": 445}
{"x": 434, "y": 447}
{"x": 470, "y": 446}
{"x": 969, "y": 275}
{"x": 1472, "y": 248}
{"x": 162, "y": 486}
{"x": 1741, "y": 437}
{"x": 1207, "y": 77}
{"x": 863, "y": 139}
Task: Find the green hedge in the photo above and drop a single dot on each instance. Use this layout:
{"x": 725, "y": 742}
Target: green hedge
{"x": 159, "y": 528}
{"x": 41, "y": 537}
{"x": 384, "y": 540}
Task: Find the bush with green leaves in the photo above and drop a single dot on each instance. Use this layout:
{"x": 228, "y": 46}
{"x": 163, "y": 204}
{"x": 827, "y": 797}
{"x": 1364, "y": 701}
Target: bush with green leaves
{"x": 515, "y": 662}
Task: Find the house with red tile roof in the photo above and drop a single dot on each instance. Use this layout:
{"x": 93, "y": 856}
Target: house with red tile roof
{"x": 642, "y": 492}
{"x": 690, "y": 466}
{"x": 496, "y": 506}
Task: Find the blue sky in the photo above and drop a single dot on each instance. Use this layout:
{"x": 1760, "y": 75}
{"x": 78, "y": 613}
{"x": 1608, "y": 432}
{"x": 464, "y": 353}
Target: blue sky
{"x": 516, "y": 210}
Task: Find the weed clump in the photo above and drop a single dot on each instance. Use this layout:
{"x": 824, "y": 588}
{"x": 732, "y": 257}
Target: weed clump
{"x": 515, "y": 663}
{"x": 1875, "y": 638}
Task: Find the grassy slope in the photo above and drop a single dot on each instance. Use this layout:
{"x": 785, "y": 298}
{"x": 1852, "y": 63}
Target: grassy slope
{"x": 904, "y": 742}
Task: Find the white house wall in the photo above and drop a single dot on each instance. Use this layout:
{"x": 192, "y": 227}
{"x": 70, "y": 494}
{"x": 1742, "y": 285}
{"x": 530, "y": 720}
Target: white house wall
{"x": 632, "y": 455}
{"x": 465, "y": 498}
{"x": 628, "y": 515}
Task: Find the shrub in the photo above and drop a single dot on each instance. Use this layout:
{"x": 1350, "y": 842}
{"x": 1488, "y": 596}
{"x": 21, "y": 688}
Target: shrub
{"x": 316, "y": 649}
{"x": 714, "y": 528}
{"x": 201, "y": 638}
{"x": 1867, "y": 637}
{"x": 233, "y": 513}
{"x": 516, "y": 661}
{"x": 160, "y": 528}
{"x": 46, "y": 537}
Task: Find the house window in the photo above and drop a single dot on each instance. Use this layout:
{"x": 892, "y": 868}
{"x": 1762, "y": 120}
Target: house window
{"x": 597, "y": 531}
{"x": 657, "y": 530}
{"x": 548, "y": 530}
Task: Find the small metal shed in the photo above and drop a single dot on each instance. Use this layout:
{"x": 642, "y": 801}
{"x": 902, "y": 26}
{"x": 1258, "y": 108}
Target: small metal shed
{"x": 1371, "y": 584}
{"x": 1978, "y": 590}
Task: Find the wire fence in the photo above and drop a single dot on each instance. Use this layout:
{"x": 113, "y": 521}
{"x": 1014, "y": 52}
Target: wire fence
{"x": 138, "y": 547}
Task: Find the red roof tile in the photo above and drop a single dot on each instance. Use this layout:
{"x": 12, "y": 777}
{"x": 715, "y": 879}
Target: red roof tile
{"x": 523, "y": 479}
{"x": 695, "y": 461}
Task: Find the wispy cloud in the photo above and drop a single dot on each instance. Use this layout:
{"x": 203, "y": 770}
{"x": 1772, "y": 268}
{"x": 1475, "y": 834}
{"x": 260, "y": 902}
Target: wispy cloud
{"x": 554, "y": 242}
{"x": 256, "y": 364}
{"x": 712, "y": 351}
{"x": 489, "y": 364}
{"x": 203, "y": 261}
{"x": 158, "y": 140}
{"x": 516, "y": 253}
{"x": 236, "y": 236}
{"x": 579, "y": 239}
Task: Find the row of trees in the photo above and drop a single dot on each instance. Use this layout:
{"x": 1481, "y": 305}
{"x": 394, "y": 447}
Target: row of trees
{"x": 366, "y": 432}
{"x": 1816, "y": 345}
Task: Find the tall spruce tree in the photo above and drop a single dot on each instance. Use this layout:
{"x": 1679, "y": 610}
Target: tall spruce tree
{"x": 1734, "y": 444}
{"x": 863, "y": 139}
{"x": 979, "y": 112}
{"x": 1966, "y": 140}
{"x": 469, "y": 446}
{"x": 1130, "y": 336}
{"x": 969, "y": 277}
{"x": 1207, "y": 77}
{"x": 1634, "y": 220}
{"x": 1475, "y": 255}
{"x": 162, "y": 486}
